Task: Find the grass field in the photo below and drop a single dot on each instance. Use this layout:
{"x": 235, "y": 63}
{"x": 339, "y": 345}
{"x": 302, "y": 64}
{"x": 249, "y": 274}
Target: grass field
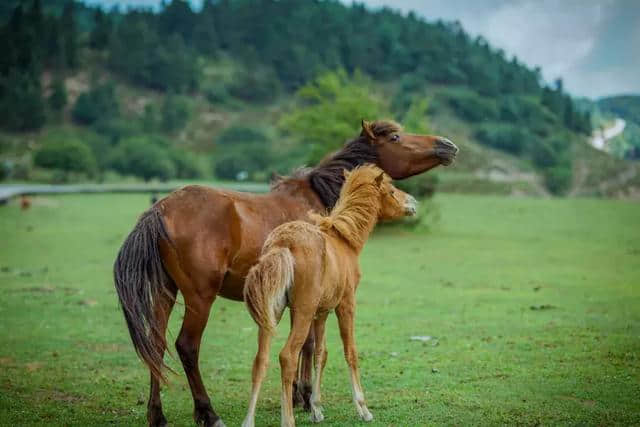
{"x": 534, "y": 306}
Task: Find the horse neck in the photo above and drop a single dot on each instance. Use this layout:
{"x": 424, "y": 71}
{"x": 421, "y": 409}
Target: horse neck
{"x": 355, "y": 215}
{"x": 327, "y": 178}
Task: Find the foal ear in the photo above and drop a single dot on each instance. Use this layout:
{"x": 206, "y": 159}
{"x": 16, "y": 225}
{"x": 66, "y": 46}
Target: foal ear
{"x": 379, "y": 179}
{"x": 367, "y": 131}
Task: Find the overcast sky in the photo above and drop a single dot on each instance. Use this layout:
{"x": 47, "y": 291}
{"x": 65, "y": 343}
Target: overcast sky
{"x": 594, "y": 45}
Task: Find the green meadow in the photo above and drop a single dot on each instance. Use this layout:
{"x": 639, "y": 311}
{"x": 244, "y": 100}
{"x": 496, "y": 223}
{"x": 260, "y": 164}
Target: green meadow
{"x": 529, "y": 311}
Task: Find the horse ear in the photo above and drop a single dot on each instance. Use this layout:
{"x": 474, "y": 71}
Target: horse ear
{"x": 379, "y": 179}
{"x": 367, "y": 131}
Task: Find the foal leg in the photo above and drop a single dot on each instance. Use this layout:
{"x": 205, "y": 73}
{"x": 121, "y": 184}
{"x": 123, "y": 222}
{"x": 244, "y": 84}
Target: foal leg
{"x": 345, "y": 312}
{"x": 259, "y": 370}
{"x": 289, "y": 363}
{"x": 302, "y": 386}
{"x": 197, "y": 307}
{"x": 320, "y": 362}
{"x": 163, "y": 307}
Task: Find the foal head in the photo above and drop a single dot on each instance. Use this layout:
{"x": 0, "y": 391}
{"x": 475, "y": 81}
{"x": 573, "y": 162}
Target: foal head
{"x": 371, "y": 182}
{"x": 394, "y": 203}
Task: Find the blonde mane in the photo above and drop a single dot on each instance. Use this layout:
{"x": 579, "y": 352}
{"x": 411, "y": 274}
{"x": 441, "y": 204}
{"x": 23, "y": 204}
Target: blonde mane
{"x": 356, "y": 212}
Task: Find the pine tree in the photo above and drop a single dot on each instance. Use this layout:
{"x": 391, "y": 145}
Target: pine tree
{"x": 69, "y": 35}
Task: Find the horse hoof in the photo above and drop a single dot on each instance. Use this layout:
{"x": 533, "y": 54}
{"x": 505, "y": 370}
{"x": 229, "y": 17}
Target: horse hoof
{"x": 156, "y": 420}
{"x": 208, "y": 419}
{"x": 316, "y": 415}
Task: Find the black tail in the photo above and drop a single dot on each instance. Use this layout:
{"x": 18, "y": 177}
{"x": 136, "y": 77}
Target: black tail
{"x": 140, "y": 278}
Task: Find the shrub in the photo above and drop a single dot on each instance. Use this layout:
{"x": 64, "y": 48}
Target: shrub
{"x": 175, "y": 113}
{"x": 143, "y": 157}
{"x": 187, "y": 165}
{"x": 99, "y": 103}
{"x": 558, "y": 178}
{"x": 261, "y": 85}
{"x": 68, "y": 155}
{"x": 243, "y": 149}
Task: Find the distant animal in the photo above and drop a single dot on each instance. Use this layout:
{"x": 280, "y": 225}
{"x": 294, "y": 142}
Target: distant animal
{"x": 25, "y": 202}
{"x": 313, "y": 269}
{"x": 203, "y": 241}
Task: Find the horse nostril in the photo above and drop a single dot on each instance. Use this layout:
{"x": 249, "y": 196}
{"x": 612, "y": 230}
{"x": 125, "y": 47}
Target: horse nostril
{"x": 446, "y": 144}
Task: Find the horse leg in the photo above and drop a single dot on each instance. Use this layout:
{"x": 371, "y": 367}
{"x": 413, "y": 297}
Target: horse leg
{"x": 163, "y": 308}
{"x": 302, "y": 386}
{"x": 197, "y": 307}
{"x": 289, "y": 362}
{"x": 345, "y": 313}
{"x": 259, "y": 370}
{"x": 320, "y": 362}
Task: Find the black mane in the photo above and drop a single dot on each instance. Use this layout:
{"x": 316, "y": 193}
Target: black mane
{"x": 327, "y": 178}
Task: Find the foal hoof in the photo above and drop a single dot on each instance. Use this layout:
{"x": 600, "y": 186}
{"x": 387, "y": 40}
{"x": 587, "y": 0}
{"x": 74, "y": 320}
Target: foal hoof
{"x": 366, "y": 415}
{"x": 298, "y": 399}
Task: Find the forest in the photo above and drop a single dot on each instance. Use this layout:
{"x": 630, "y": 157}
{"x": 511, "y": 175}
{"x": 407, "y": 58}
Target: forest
{"x": 323, "y": 64}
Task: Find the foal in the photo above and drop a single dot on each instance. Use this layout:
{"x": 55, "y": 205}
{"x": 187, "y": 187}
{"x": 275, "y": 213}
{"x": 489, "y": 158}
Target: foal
{"x": 314, "y": 269}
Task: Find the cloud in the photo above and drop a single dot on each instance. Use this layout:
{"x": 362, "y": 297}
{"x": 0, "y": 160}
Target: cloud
{"x": 593, "y": 45}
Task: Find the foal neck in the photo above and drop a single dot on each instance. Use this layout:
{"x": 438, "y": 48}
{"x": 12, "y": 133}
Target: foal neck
{"x": 354, "y": 215}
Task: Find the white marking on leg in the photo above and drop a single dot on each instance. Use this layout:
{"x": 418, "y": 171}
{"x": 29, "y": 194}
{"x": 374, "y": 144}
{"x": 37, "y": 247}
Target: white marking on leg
{"x": 358, "y": 399}
{"x": 249, "y": 420}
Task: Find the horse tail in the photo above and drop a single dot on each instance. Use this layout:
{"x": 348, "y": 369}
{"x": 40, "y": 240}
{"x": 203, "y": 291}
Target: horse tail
{"x": 140, "y": 278}
{"x": 266, "y": 286}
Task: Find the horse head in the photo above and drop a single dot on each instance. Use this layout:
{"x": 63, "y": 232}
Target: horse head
{"x": 402, "y": 154}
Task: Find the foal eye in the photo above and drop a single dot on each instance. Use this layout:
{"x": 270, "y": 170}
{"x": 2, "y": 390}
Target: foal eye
{"x": 395, "y": 137}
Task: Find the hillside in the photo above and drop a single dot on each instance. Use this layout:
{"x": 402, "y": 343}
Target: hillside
{"x": 222, "y": 91}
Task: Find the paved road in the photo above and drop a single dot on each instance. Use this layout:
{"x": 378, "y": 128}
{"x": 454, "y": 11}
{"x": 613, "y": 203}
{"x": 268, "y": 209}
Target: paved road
{"x": 600, "y": 137}
{"x": 13, "y": 190}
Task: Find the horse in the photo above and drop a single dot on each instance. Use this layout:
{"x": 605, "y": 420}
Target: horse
{"x": 313, "y": 269}
{"x": 203, "y": 241}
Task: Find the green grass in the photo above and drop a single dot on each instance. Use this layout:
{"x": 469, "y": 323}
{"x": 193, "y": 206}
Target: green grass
{"x": 470, "y": 282}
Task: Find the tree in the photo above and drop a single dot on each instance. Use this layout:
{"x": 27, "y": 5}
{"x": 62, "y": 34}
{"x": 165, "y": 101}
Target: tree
{"x": 330, "y": 109}
{"x": 69, "y": 34}
{"x": 21, "y": 103}
{"x": 101, "y": 32}
{"x": 58, "y": 97}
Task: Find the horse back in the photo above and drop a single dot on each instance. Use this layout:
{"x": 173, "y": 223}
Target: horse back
{"x": 217, "y": 235}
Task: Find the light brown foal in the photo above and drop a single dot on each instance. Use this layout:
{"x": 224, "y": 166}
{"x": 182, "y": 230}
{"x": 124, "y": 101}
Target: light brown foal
{"x": 313, "y": 268}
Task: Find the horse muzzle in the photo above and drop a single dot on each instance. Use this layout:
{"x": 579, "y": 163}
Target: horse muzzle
{"x": 446, "y": 151}
{"x": 410, "y": 206}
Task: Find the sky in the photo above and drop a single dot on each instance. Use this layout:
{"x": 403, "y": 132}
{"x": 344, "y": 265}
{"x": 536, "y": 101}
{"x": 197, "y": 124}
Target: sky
{"x": 593, "y": 45}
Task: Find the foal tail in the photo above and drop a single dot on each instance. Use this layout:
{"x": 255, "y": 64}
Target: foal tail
{"x": 266, "y": 286}
{"x": 140, "y": 278}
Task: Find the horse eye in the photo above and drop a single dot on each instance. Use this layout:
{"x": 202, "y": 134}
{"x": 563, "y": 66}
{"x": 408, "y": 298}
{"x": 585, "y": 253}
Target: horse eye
{"x": 395, "y": 137}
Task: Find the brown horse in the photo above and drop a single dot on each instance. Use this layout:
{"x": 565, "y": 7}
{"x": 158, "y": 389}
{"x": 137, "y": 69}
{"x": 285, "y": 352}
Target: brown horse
{"x": 313, "y": 269}
{"x": 203, "y": 242}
